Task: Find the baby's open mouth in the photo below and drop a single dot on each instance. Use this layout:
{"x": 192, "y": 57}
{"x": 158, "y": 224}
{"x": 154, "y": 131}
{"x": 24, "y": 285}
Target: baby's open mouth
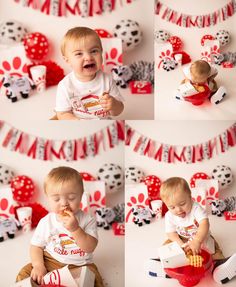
{"x": 89, "y": 66}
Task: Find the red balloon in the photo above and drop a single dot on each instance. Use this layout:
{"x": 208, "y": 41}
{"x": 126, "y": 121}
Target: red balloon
{"x": 175, "y": 42}
{"x": 36, "y": 46}
{"x": 103, "y": 33}
{"x": 87, "y": 176}
{"x": 153, "y": 184}
{"x": 196, "y": 176}
{"x": 206, "y": 37}
{"x": 22, "y": 188}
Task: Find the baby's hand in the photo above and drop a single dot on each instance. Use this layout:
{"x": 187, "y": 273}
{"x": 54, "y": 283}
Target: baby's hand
{"x": 38, "y": 273}
{"x": 195, "y": 246}
{"x": 69, "y": 221}
{"x": 107, "y": 102}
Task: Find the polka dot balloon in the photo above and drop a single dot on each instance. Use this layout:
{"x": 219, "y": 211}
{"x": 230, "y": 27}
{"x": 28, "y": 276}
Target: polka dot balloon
{"x": 196, "y": 176}
{"x": 22, "y": 188}
{"x": 87, "y": 176}
{"x": 175, "y": 42}
{"x": 36, "y": 46}
{"x": 153, "y": 184}
{"x": 205, "y": 38}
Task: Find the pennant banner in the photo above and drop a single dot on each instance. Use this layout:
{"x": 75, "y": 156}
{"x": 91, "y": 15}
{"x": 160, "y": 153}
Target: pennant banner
{"x": 68, "y": 150}
{"x": 84, "y": 8}
{"x": 187, "y": 154}
{"x": 199, "y": 21}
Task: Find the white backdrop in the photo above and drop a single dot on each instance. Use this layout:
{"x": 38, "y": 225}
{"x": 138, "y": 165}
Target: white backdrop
{"x": 181, "y": 133}
{"x": 166, "y": 106}
{"x": 40, "y": 107}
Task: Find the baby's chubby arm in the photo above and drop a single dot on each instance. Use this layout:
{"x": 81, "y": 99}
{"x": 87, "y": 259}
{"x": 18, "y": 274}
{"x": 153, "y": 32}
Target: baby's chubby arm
{"x": 86, "y": 242}
{"x": 39, "y": 269}
{"x": 109, "y": 103}
{"x": 202, "y": 232}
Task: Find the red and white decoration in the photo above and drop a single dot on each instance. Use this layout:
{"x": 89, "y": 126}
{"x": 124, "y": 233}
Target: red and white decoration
{"x": 13, "y": 61}
{"x": 69, "y": 150}
{"x": 65, "y": 7}
{"x": 36, "y": 45}
{"x": 6, "y": 202}
{"x": 168, "y": 153}
{"x": 205, "y": 191}
{"x": 196, "y": 177}
{"x": 135, "y": 195}
{"x": 112, "y": 49}
{"x": 166, "y": 53}
{"x": 22, "y": 188}
{"x": 153, "y": 184}
{"x": 199, "y": 21}
{"x": 210, "y": 49}
{"x": 94, "y": 193}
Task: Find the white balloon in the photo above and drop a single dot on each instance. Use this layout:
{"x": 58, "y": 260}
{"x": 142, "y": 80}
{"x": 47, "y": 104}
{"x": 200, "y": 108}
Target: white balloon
{"x": 161, "y": 36}
{"x": 223, "y": 174}
{"x": 129, "y": 32}
{"x": 12, "y": 31}
{"x": 6, "y": 174}
{"x": 133, "y": 174}
{"x": 223, "y": 37}
{"x": 113, "y": 176}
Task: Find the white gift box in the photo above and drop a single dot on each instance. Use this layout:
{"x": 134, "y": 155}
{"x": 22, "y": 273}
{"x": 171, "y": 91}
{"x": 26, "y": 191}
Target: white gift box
{"x": 172, "y": 255}
{"x": 78, "y": 277}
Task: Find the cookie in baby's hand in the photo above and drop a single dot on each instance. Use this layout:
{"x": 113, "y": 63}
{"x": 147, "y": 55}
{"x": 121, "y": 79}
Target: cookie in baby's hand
{"x": 65, "y": 212}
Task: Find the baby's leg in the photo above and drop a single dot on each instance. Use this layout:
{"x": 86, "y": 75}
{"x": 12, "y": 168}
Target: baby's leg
{"x": 213, "y": 86}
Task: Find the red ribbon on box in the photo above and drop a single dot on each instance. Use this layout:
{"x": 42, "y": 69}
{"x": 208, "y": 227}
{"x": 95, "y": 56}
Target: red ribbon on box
{"x": 140, "y": 87}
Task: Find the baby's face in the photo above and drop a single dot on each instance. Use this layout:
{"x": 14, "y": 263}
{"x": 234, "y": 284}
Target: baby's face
{"x": 85, "y": 57}
{"x": 68, "y": 196}
{"x": 179, "y": 204}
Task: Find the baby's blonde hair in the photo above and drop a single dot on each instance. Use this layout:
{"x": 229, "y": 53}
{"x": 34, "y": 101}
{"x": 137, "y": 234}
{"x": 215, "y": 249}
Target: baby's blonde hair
{"x": 173, "y": 185}
{"x": 59, "y": 175}
{"x": 78, "y": 33}
{"x": 200, "y": 69}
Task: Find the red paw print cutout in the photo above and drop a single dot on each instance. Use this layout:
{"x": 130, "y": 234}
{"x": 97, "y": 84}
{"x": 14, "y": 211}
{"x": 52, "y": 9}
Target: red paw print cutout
{"x": 14, "y": 68}
{"x": 112, "y": 58}
{"x": 165, "y": 55}
{"x": 6, "y": 208}
{"x": 140, "y": 201}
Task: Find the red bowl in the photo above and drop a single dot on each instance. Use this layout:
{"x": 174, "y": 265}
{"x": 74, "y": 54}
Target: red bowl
{"x": 199, "y": 98}
{"x": 188, "y": 275}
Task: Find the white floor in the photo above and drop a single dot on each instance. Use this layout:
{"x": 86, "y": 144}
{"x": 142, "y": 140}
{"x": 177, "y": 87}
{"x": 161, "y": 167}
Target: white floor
{"x": 108, "y": 256}
{"x": 169, "y": 108}
{"x": 141, "y": 243}
{"x": 40, "y": 106}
